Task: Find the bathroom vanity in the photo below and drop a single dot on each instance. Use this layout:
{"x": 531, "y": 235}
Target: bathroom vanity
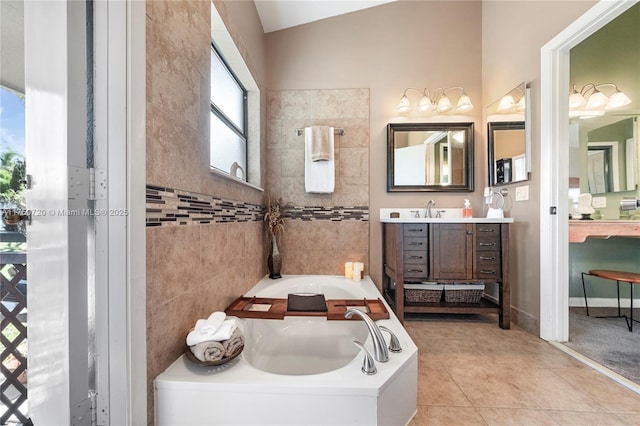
{"x": 451, "y": 250}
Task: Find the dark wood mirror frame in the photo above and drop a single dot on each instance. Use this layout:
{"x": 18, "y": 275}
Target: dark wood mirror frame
{"x": 468, "y": 165}
{"x": 496, "y": 176}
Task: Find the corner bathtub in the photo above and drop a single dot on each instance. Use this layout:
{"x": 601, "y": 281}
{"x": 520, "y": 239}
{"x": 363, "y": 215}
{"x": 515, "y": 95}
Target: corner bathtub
{"x": 296, "y": 371}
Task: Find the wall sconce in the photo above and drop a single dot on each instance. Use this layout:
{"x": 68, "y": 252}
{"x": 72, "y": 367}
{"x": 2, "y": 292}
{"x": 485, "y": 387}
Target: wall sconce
{"x": 440, "y": 101}
{"x": 590, "y": 101}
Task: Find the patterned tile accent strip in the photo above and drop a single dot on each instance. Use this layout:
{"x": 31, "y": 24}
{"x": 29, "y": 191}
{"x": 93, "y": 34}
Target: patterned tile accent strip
{"x": 335, "y": 213}
{"x": 169, "y": 207}
{"x": 166, "y": 206}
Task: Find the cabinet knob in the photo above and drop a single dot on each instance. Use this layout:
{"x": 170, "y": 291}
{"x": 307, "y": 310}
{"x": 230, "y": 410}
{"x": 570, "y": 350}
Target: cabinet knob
{"x": 415, "y": 257}
{"x": 469, "y": 232}
{"x": 414, "y": 270}
{"x": 482, "y": 271}
{"x": 415, "y": 243}
{"x": 486, "y": 230}
{"x": 415, "y": 229}
{"x": 487, "y": 258}
{"x": 488, "y": 244}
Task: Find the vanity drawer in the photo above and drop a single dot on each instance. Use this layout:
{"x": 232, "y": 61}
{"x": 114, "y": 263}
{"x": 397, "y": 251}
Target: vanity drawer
{"x": 415, "y": 243}
{"x": 415, "y": 230}
{"x": 487, "y": 239}
{"x": 488, "y": 265}
{"x": 415, "y": 256}
{"x": 416, "y": 270}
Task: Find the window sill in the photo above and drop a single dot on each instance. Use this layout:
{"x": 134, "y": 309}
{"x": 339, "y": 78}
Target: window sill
{"x": 234, "y": 179}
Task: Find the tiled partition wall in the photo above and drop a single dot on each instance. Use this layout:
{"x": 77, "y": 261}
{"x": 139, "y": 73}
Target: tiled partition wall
{"x": 323, "y": 230}
{"x": 205, "y": 234}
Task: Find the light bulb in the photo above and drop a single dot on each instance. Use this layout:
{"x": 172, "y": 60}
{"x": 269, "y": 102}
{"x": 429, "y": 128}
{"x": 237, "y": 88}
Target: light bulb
{"x": 506, "y": 103}
{"x": 617, "y": 100}
{"x": 405, "y": 105}
{"x": 425, "y": 104}
{"x": 597, "y": 100}
{"x": 464, "y": 104}
{"x": 444, "y": 104}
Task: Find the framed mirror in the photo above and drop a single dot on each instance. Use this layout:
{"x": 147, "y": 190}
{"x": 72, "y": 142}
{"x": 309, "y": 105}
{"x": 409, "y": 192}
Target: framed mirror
{"x": 508, "y": 140}
{"x": 507, "y": 152}
{"x": 430, "y": 157}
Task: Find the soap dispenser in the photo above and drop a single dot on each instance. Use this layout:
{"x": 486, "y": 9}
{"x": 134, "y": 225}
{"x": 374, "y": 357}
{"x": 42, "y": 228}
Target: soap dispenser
{"x": 466, "y": 211}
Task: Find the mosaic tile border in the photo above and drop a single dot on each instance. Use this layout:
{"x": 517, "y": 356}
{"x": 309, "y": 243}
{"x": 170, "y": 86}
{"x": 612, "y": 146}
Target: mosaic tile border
{"x": 170, "y": 207}
{"x": 166, "y": 207}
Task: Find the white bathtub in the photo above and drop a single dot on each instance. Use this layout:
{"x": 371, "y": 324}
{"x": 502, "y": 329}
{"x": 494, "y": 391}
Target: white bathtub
{"x": 296, "y": 371}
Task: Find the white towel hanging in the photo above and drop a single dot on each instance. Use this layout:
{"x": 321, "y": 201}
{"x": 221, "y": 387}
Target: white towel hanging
{"x": 319, "y": 176}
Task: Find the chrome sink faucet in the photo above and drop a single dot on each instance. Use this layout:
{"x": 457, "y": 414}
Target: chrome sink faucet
{"x": 380, "y": 351}
{"x": 430, "y": 204}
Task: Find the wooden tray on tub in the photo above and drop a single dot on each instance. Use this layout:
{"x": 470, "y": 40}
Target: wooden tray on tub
{"x": 272, "y": 308}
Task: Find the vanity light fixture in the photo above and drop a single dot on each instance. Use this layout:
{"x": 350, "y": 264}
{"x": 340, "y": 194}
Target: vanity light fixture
{"x": 508, "y": 104}
{"x": 590, "y": 101}
{"x": 440, "y": 101}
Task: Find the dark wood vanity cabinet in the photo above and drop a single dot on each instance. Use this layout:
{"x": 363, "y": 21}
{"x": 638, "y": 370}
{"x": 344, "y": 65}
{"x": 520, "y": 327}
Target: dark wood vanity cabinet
{"x": 447, "y": 253}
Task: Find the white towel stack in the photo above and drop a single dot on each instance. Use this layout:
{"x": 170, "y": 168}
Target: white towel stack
{"x": 319, "y": 176}
{"x": 214, "y": 329}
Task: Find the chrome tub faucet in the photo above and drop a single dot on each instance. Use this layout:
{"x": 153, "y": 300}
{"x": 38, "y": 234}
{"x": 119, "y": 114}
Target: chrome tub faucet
{"x": 380, "y": 351}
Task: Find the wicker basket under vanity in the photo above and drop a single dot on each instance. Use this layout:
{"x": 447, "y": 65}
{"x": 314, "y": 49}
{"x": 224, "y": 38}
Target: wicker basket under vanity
{"x": 423, "y": 293}
{"x": 463, "y": 293}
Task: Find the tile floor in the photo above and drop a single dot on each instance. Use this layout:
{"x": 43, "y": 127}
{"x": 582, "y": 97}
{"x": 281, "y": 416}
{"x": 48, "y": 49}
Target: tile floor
{"x": 474, "y": 373}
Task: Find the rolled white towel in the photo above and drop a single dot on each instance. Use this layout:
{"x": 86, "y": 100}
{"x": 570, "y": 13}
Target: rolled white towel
{"x": 208, "y": 351}
{"x": 222, "y": 333}
{"x": 233, "y": 343}
{"x": 206, "y": 329}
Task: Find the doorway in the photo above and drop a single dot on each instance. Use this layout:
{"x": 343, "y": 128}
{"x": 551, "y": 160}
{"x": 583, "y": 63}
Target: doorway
{"x": 554, "y": 210}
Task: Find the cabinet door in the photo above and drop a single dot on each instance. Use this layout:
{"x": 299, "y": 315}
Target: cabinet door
{"x": 452, "y": 251}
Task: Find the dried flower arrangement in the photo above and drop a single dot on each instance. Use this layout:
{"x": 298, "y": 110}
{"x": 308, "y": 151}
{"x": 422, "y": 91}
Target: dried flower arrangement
{"x": 274, "y": 216}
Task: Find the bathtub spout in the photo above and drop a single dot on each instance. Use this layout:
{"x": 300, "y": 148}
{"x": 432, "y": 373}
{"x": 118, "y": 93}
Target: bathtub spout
{"x": 380, "y": 351}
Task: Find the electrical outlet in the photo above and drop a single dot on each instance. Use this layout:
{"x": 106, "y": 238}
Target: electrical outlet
{"x": 522, "y": 193}
{"x": 487, "y": 191}
{"x": 599, "y": 202}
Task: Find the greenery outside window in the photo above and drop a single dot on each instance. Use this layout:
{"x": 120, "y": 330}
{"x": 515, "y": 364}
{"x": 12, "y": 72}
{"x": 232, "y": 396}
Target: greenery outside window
{"x": 228, "y": 137}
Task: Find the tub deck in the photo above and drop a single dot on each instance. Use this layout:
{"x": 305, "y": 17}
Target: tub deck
{"x": 238, "y": 393}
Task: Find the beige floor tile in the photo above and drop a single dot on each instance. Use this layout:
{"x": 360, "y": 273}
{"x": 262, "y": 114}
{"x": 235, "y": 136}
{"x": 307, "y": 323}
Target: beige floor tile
{"x": 487, "y": 386}
{"x": 611, "y": 395}
{"x": 584, "y": 418}
{"x": 550, "y": 391}
{"x": 447, "y": 416}
{"x": 473, "y": 372}
{"x": 515, "y": 416}
{"x": 435, "y": 387}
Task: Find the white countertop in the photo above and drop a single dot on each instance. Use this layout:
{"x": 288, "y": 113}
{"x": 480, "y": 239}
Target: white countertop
{"x": 446, "y": 220}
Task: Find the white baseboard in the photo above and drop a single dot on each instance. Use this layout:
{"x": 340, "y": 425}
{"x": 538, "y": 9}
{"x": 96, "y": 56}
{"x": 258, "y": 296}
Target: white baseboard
{"x": 604, "y": 302}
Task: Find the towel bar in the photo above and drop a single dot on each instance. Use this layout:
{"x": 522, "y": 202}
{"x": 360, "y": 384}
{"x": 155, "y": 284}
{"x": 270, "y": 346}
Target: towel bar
{"x": 338, "y": 131}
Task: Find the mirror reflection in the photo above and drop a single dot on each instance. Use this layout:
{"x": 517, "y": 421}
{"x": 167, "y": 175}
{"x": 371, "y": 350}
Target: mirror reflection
{"x": 430, "y": 157}
{"x": 507, "y": 139}
{"x": 507, "y": 159}
{"x": 604, "y": 160}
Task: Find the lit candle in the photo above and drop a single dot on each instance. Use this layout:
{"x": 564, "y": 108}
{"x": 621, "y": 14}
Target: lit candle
{"x": 357, "y": 271}
{"x": 348, "y": 270}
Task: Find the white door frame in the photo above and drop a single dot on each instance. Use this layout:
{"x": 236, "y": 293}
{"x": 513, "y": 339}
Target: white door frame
{"x": 120, "y": 126}
{"x": 554, "y": 177}
{"x": 60, "y": 262}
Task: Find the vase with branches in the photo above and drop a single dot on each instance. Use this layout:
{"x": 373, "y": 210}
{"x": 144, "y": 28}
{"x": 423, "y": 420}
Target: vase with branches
{"x": 274, "y": 216}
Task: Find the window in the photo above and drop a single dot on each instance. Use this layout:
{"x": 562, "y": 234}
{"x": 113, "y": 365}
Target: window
{"x": 228, "y": 137}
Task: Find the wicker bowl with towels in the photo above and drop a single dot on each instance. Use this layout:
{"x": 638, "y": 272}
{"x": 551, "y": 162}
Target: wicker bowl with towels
{"x": 214, "y": 341}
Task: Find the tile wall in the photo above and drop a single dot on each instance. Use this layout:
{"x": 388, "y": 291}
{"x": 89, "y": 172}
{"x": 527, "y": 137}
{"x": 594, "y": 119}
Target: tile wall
{"x": 205, "y": 235}
{"x": 323, "y": 230}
